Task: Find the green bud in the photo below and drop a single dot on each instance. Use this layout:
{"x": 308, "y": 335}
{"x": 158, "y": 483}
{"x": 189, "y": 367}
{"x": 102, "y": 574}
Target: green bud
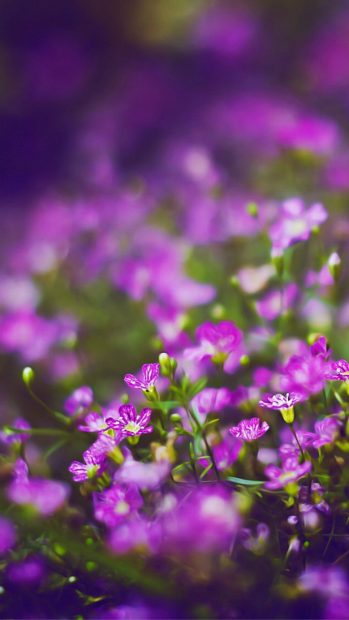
{"x": 244, "y": 360}
{"x": 278, "y": 262}
{"x": 175, "y": 418}
{"x": 252, "y": 209}
{"x": 124, "y": 398}
{"x": 168, "y": 365}
{"x": 334, "y": 265}
{"x": 217, "y": 311}
{"x": 28, "y": 375}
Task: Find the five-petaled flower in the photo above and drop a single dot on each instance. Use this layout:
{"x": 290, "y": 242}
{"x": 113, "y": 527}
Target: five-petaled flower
{"x": 249, "y": 429}
{"x": 291, "y": 471}
{"x": 129, "y": 422}
{"x": 84, "y": 471}
{"x": 150, "y": 373}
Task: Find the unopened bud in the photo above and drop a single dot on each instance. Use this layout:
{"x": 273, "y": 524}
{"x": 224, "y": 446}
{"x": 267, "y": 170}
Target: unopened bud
{"x": 175, "y": 418}
{"x": 277, "y": 259}
{"x": 168, "y": 365}
{"x": 28, "y": 375}
{"x": 334, "y": 265}
{"x": 252, "y": 209}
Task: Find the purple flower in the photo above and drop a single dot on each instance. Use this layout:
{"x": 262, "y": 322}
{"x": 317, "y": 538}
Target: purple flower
{"x": 338, "y": 371}
{"x": 46, "y": 496}
{"x": 295, "y": 223}
{"x": 204, "y": 520}
{"x": 150, "y": 374}
{"x": 273, "y": 303}
{"x": 280, "y": 401}
{"x": 92, "y": 467}
{"x": 249, "y": 429}
{"x": 79, "y": 400}
{"x": 145, "y": 476}
{"x": 305, "y": 373}
{"x": 129, "y": 423}
{"x": 116, "y": 504}
{"x": 320, "y": 348}
{"x": 7, "y": 535}
{"x": 212, "y": 399}
{"x": 219, "y": 342}
{"x": 326, "y": 431}
{"x": 227, "y": 451}
{"x": 29, "y": 571}
{"x": 93, "y": 423}
{"x": 291, "y": 471}
{"x": 9, "y": 437}
{"x": 133, "y": 534}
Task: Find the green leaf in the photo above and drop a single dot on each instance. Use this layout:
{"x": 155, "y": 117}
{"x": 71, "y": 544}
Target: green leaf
{"x": 164, "y": 406}
{"x": 245, "y": 482}
{"x": 197, "y": 386}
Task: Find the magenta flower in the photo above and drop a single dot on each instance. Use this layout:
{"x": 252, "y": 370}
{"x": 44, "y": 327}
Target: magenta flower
{"x": 280, "y": 401}
{"x": 46, "y": 496}
{"x": 150, "y": 374}
{"x": 219, "y": 342}
{"x": 129, "y": 422}
{"x": 92, "y": 467}
{"x": 93, "y": 423}
{"x": 338, "y": 371}
{"x": 9, "y": 437}
{"x": 7, "y": 535}
{"x": 326, "y": 431}
{"x": 212, "y": 399}
{"x": 291, "y": 471}
{"x": 249, "y": 429}
{"x": 79, "y": 400}
{"x": 305, "y": 373}
{"x": 295, "y": 223}
{"x": 145, "y": 476}
{"x": 116, "y": 504}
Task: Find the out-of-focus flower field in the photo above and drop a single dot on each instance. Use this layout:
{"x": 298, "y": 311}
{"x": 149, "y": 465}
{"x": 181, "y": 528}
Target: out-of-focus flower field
{"x": 174, "y": 309}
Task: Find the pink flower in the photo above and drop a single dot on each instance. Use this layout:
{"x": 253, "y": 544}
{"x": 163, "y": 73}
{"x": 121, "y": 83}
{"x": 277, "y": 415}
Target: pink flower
{"x": 116, "y": 504}
{"x": 295, "y": 223}
{"x": 219, "y": 342}
{"x": 84, "y": 471}
{"x": 79, "y": 400}
{"x": 249, "y": 429}
{"x": 280, "y": 401}
{"x": 150, "y": 374}
{"x": 212, "y": 399}
{"x": 291, "y": 472}
{"x": 46, "y": 496}
{"x": 129, "y": 423}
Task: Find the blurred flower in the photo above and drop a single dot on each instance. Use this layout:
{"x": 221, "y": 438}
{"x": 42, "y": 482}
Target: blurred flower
{"x": 9, "y": 437}
{"x": 291, "y": 471}
{"x": 212, "y": 400}
{"x": 7, "y": 535}
{"x": 46, "y": 496}
{"x": 116, "y": 504}
{"x": 295, "y": 223}
{"x": 79, "y": 400}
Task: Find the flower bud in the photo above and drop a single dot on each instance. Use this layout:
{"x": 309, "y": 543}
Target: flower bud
{"x": 168, "y": 365}
{"x": 252, "y": 209}
{"x": 28, "y": 375}
{"x": 334, "y": 265}
{"x": 277, "y": 260}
